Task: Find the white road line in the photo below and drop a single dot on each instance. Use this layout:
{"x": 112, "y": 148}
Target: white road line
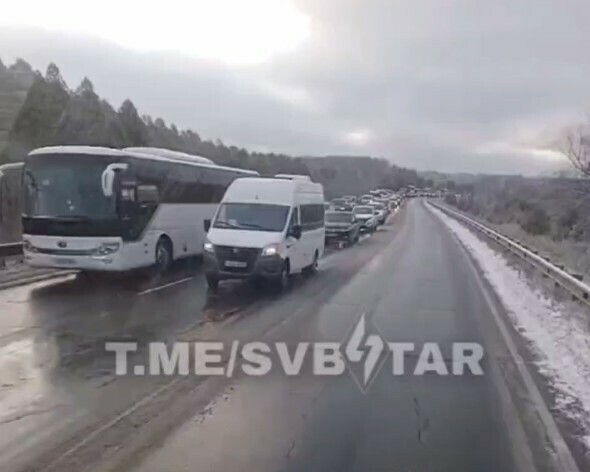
{"x": 94, "y": 434}
{"x": 162, "y": 287}
{"x": 18, "y": 283}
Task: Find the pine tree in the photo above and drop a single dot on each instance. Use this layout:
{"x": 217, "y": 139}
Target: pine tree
{"x": 21, "y": 66}
{"x": 134, "y": 128}
{"x": 53, "y": 76}
{"x": 86, "y": 89}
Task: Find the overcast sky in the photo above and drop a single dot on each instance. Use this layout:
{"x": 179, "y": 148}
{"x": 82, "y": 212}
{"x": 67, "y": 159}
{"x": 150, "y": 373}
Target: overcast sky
{"x": 449, "y": 85}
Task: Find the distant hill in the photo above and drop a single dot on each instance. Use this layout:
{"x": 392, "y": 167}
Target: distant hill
{"x": 345, "y": 175}
{"x": 51, "y": 113}
{"x": 41, "y": 110}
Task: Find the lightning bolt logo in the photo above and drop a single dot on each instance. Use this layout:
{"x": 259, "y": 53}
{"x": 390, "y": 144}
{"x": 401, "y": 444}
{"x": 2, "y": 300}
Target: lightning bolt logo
{"x": 370, "y": 347}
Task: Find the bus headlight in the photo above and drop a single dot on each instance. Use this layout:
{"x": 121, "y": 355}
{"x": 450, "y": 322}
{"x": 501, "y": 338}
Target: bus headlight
{"x": 271, "y": 250}
{"x": 107, "y": 248}
{"x": 208, "y": 246}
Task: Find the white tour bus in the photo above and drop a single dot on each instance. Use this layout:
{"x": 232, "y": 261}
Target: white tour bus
{"x": 102, "y": 209}
{"x": 266, "y": 228}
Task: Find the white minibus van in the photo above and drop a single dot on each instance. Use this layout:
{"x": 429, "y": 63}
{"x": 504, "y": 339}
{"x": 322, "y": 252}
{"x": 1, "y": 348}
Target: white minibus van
{"x": 266, "y": 228}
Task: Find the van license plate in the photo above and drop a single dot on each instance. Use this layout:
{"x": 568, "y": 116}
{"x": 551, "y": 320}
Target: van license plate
{"x": 236, "y": 264}
{"x": 64, "y": 261}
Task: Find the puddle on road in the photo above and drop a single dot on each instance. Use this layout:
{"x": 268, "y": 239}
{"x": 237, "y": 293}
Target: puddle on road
{"x": 23, "y": 367}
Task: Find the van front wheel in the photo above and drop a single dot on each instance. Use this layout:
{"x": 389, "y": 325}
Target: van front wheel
{"x": 281, "y": 283}
{"x": 212, "y": 283}
{"x": 313, "y": 267}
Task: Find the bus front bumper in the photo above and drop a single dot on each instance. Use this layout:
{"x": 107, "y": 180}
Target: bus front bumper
{"x": 110, "y": 263}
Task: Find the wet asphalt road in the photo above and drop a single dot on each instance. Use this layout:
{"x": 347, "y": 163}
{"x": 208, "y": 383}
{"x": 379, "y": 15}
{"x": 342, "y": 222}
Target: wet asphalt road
{"x": 64, "y": 409}
{"x": 414, "y": 290}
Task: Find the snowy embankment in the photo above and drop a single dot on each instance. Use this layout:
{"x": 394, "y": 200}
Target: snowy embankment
{"x": 558, "y": 337}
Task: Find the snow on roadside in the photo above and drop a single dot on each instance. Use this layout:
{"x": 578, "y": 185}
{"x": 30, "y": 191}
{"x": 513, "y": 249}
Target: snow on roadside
{"x": 558, "y": 337}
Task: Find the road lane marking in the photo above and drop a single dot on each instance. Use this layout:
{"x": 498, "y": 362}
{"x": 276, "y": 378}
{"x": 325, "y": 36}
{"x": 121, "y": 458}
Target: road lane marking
{"x": 58, "y": 277}
{"x": 162, "y": 287}
{"x": 211, "y": 332}
{"x": 128, "y": 412}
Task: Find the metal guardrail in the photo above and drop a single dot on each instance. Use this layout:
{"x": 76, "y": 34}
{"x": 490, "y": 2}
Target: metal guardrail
{"x": 556, "y": 272}
{"x": 9, "y": 251}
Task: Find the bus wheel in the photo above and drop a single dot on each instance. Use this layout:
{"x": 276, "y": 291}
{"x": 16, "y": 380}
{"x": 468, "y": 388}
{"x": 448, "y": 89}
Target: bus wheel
{"x": 163, "y": 255}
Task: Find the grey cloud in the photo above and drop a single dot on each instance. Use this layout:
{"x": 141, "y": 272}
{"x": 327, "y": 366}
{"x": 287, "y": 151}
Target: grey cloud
{"x": 435, "y": 81}
{"x": 214, "y": 100}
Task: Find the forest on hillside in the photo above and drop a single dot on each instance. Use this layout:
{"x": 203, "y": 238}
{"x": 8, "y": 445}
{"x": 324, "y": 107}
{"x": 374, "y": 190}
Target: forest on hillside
{"x": 54, "y": 114}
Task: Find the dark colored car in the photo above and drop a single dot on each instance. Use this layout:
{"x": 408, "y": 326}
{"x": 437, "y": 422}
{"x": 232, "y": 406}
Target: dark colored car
{"x": 341, "y": 204}
{"x": 342, "y": 226}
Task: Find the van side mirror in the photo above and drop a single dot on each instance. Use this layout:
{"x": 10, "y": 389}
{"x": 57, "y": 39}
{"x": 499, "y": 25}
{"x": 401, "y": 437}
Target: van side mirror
{"x": 295, "y": 231}
{"x": 206, "y": 225}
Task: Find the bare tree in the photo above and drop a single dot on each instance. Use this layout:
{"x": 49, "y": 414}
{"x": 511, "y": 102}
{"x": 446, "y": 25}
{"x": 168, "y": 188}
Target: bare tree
{"x": 576, "y": 147}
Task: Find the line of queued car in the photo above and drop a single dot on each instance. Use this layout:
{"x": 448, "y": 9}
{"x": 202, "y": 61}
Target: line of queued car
{"x": 347, "y": 217}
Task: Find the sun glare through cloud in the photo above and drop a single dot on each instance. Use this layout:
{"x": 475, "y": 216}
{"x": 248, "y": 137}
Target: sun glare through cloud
{"x": 359, "y": 137}
{"x": 236, "y": 32}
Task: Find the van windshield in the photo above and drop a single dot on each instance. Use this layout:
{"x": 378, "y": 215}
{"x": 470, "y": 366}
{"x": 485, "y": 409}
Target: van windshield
{"x": 252, "y": 216}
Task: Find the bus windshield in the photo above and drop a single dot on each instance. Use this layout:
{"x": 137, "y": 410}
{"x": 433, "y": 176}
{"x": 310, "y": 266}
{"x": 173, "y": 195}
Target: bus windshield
{"x": 67, "y": 186}
{"x": 252, "y": 216}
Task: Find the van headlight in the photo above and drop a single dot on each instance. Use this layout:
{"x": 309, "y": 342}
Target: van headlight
{"x": 107, "y": 248}
{"x": 208, "y": 246}
{"x": 271, "y": 250}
